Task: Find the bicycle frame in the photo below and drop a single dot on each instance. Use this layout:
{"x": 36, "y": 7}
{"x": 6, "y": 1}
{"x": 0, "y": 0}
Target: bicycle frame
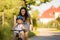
{"x": 18, "y": 34}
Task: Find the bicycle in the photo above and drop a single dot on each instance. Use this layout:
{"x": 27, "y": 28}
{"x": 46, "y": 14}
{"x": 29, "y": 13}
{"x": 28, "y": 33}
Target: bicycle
{"x": 17, "y": 35}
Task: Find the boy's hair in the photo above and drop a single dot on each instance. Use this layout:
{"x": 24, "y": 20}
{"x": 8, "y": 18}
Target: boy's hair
{"x": 19, "y": 17}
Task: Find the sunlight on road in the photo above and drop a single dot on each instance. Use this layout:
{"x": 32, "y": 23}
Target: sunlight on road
{"x": 46, "y": 34}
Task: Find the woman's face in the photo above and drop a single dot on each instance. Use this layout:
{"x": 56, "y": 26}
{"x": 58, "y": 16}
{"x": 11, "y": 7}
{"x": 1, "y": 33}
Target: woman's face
{"x": 23, "y": 11}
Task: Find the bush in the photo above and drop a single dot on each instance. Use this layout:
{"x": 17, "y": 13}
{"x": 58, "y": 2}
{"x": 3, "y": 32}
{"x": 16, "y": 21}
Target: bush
{"x": 1, "y": 33}
{"x": 35, "y": 23}
{"x": 5, "y": 33}
{"x": 31, "y": 34}
{"x": 51, "y": 24}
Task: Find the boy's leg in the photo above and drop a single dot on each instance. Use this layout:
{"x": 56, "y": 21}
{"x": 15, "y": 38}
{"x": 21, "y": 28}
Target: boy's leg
{"x": 14, "y": 37}
{"x": 22, "y": 35}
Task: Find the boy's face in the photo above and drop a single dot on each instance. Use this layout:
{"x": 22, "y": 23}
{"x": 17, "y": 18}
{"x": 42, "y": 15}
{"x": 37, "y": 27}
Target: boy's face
{"x": 19, "y": 21}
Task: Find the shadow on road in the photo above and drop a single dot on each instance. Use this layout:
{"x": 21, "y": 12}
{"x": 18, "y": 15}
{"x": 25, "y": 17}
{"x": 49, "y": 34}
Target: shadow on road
{"x": 53, "y": 37}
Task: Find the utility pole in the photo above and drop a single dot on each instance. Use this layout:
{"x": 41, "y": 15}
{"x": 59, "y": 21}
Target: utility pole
{"x": 14, "y": 20}
{"x": 2, "y": 18}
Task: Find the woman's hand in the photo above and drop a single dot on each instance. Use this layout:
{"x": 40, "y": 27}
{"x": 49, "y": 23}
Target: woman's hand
{"x": 31, "y": 27}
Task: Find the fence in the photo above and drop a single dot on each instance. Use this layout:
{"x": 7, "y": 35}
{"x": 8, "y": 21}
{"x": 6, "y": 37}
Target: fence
{"x": 2, "y": 19}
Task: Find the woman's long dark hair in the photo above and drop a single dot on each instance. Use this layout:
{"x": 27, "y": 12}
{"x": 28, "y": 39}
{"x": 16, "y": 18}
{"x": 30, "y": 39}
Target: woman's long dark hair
{"x": 26, "y": 13}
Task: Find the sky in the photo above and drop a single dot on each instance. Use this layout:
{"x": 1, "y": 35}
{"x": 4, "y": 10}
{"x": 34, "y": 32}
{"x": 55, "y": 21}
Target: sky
{"x": 45, "y": 6}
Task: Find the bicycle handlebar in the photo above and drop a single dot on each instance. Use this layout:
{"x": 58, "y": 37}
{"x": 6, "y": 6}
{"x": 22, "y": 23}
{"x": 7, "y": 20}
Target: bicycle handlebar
{"x": 17, "y": 30}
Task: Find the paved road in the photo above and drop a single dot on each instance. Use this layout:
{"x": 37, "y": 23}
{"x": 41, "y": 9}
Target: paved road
{"x": 45, "y": 34}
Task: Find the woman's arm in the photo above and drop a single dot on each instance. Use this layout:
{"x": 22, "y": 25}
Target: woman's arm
{"x": 31, "y": 24}
{"x": 31, "y": 21}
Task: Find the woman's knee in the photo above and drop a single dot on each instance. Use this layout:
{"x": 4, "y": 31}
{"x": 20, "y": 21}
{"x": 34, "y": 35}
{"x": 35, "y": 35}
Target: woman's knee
{"x": 26, "y": 34}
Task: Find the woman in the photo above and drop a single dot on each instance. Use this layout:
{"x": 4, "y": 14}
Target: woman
{"x": 27, "y": 22}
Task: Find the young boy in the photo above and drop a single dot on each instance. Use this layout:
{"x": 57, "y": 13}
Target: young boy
{"x": 19, "y": 25}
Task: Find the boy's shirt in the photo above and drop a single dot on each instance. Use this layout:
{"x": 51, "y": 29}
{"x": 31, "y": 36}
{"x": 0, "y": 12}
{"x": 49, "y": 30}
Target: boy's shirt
{"x": 18, "y": 27}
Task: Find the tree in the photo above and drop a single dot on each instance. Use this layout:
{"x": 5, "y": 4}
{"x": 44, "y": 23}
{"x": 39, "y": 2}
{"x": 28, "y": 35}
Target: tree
{"x": 28, "y": 3}
{"x": 44, "y": 1}
{"x": 34, "y": 16}
{"x": 10, "y": 8}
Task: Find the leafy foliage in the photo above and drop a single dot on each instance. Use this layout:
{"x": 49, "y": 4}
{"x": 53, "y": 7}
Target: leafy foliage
{"x": 11, "y": 8}
{"x": 44, "y": 1}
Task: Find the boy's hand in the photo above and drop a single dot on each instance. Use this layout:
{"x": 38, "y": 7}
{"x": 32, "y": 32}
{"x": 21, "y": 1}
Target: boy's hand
{"x": 23, "y": 27}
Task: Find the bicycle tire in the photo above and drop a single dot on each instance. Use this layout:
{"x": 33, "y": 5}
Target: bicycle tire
{"x": 19, "y": 38}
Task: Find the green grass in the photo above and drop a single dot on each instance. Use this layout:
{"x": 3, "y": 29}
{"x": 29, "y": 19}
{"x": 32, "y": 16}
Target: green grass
{"x": 31, "y": 34}
{"x": 34, "y": 33}
{"x": 55, "y": 30}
